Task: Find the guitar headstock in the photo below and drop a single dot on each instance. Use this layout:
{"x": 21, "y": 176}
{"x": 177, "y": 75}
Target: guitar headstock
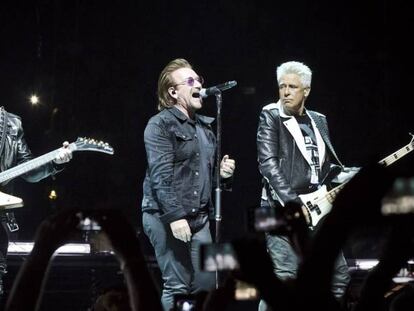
{"x": 90, "y": 144}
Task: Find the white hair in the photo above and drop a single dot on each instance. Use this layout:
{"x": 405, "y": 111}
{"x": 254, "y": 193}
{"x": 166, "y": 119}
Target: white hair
{"x": 298, "y": 68}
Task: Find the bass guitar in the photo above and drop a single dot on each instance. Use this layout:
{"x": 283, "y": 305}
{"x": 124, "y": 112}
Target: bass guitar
{"x": 319, "y": 203}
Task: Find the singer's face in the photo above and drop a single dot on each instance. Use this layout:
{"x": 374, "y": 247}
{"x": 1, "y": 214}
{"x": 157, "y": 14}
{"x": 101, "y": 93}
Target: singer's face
{"x": 187, "y": 95}
{"x": 292, "y": 94}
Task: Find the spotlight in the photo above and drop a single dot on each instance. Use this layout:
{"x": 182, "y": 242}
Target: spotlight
{"x": 34, "y": 100}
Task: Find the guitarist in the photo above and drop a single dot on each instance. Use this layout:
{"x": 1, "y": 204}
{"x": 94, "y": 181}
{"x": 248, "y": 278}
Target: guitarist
{"x": 13, "y": 151}
{"x": 294, "y": 152}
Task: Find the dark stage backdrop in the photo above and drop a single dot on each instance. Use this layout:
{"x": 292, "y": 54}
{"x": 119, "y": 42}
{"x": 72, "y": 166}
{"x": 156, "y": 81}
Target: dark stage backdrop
{"x": 95, "y": 65}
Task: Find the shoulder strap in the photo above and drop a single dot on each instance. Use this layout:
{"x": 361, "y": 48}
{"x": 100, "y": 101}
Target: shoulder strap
{"x": 3, "y": 128}
{"x": 324, "y": 132}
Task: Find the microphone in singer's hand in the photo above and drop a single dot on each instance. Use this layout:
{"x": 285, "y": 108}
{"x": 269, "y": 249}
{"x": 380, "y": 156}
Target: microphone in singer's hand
{"x": 216, "y": 89}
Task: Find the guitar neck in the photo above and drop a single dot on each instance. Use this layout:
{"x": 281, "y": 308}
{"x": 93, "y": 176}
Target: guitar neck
{"x": 397, "y": 155}
{"x": 331, "y": 195}
{"x": 27, "y": 166}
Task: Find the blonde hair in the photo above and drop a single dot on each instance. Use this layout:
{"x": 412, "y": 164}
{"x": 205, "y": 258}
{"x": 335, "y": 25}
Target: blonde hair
{"x": 165, "y": 81}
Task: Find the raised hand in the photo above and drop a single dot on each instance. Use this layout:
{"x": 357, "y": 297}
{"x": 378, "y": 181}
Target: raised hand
{"x": 56, "y": 230}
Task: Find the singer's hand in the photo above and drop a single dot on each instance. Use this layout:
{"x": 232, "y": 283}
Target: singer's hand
{"x": 181, "y": 230}
{"x": 227, "y": 167}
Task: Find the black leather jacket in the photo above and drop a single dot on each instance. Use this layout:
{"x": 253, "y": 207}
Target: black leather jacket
{"x": 172, "y": 182}
{"x": 281, "y": 162}
{"x": 16, "y": 151}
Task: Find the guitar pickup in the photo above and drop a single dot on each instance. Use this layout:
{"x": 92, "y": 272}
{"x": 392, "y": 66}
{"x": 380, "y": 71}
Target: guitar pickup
{"x": 313, "y": 207}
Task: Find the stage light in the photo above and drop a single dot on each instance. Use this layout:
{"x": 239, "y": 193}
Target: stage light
{"x": 70, "y": 248}
{"x": 52, "y": 195}
{"x": 34, "y": 99}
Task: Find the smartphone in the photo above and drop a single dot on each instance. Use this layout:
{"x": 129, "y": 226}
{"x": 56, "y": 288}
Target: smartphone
{"x": 245, "y": 291}
{"x": 266, "y": 219}
{"x": 88, "y": 224}
{"x": 400, "y": 199}
{"x": 183, "y": 302}
{"x": 217, "y": 257}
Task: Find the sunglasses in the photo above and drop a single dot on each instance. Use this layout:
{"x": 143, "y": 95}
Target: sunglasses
{"x": 190, "y": 81}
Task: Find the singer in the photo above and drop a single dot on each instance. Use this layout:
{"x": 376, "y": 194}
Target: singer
{"x": 180, "y": 147}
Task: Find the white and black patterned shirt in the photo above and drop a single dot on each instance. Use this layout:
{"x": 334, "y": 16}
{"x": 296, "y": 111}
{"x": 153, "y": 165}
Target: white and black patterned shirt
{"x": 309, "y": 137}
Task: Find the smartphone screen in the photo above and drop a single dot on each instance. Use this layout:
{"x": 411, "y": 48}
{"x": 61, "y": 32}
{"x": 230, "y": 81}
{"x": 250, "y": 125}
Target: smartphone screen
{"x": 265, "y": 219}
{"x": 245, "y": 291}
{"x": 183, "y": 302}
{"x": 217, "y": 257}
{"x": 400, "y": 199}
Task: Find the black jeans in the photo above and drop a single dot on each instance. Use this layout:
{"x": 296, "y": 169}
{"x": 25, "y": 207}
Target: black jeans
{"x": 4, "y": 244}
{"x": 179, "y": 262}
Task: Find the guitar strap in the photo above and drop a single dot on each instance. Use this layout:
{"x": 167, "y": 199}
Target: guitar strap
{"x": 3, "y": 128}
{"x": 324, "y": 132}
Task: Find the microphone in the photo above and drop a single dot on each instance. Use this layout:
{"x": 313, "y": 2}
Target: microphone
{"x": 215, "y": 89}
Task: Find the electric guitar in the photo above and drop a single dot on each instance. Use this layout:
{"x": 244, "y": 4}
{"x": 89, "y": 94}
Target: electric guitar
{"x": 81, "y": 144}
{"x": 319, "y": 203}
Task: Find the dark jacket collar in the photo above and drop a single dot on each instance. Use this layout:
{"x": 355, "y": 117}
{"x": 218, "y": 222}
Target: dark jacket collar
{"x": 182, "y": 117}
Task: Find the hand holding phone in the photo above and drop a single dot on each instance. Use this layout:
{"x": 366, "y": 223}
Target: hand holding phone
{"x": 217, "y": 257}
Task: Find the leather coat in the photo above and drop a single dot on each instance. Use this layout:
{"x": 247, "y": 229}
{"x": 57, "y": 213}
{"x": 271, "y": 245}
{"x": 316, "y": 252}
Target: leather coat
{"x": 282, "y": 159}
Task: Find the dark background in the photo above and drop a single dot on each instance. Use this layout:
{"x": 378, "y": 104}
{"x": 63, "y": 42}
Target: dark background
{"x": 95, "y": 64}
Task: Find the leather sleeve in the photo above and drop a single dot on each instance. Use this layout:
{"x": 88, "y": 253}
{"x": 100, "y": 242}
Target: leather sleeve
{"x": 270, "y": 162}
{"x": 24, "y": 154}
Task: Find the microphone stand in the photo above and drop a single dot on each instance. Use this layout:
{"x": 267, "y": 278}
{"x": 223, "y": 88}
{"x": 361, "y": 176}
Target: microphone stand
{"x": 218, "y": 190}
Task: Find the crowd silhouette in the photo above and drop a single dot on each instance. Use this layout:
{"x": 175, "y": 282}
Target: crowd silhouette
{"x": 357, "y": 205}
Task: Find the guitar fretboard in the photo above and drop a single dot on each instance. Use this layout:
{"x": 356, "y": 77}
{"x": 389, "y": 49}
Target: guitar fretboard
{"x": 331, "y": 195}
{"x": 397, "y": 155}
{"x": 27, "y": 166}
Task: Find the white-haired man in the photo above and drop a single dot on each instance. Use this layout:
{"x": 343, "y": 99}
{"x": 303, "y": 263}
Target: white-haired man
{"x": 294, "y": 155}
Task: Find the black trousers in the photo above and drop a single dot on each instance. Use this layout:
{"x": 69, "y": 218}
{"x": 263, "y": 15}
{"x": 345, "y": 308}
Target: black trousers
{"x": 179, "y": 262}
{"x": 4, "y": 244}
{"x": 286, "y": 263}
